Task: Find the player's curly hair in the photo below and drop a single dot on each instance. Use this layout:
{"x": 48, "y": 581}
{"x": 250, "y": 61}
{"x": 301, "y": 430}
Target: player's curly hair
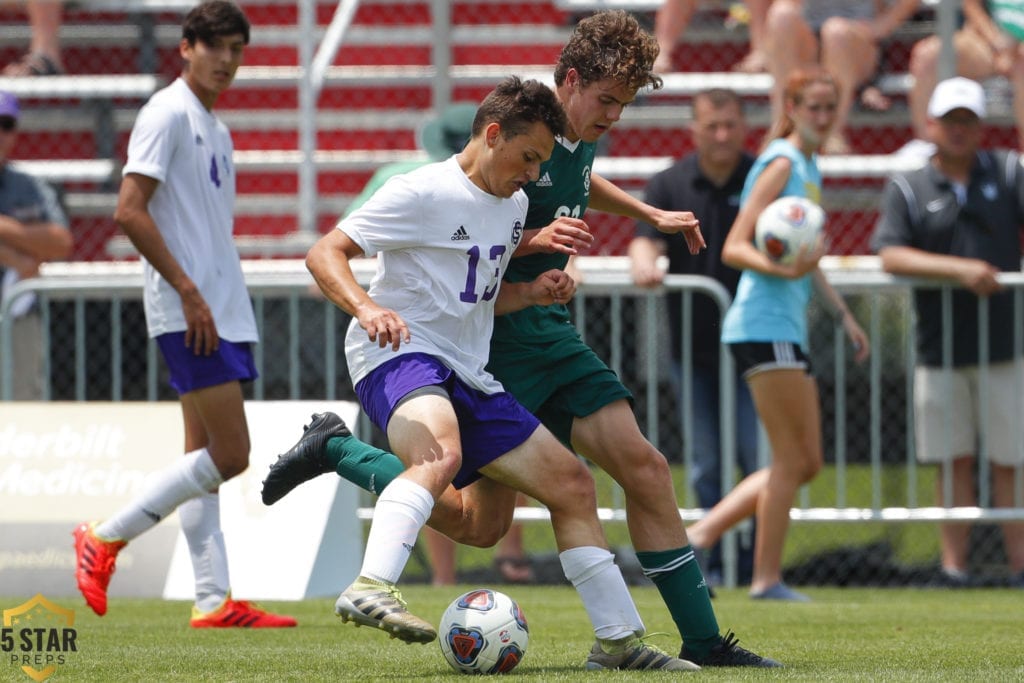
{"x": 517, "y": 104}
{"x": 610, "y": 45}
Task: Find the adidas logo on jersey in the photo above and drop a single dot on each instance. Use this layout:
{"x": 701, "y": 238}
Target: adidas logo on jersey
{"x": 460, "y": 235}
{"x": 545, "y": 180}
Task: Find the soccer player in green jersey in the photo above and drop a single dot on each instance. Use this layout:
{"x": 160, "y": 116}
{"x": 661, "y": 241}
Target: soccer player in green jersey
{"x": 537, "y": 354}
{"x": 540, "y": 359}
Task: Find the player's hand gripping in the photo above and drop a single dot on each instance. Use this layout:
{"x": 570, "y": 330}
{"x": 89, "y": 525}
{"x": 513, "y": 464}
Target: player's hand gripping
{"x": 552, "y": 287}
{"x": 806, "y": 260}
{"x": 671, "y": 222}
{"x": 563, "y": 235}
{"x": 383, "y": 325}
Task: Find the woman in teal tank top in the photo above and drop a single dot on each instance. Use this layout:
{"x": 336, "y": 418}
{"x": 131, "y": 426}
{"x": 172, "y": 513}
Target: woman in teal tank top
{"x": 766, "y": 329}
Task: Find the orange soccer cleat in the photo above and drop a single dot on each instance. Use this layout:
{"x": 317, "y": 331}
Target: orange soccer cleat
{"x": 239, "y": 614}
{"x": 94, "y": 563}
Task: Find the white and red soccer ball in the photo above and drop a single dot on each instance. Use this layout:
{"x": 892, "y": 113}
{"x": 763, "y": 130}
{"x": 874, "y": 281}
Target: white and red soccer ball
{"x": 786, "y": 225}
{"x": 483, "y": 632}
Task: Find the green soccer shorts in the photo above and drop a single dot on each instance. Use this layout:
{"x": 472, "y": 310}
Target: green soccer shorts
{"x": 557, "y": 381}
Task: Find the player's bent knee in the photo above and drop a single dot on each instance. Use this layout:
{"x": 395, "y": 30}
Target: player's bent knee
{"x": 810, "y": 470}
{"x": 646, "y": 472}
{"x": 578, "y": 490}
{"x": 481, "y": 533}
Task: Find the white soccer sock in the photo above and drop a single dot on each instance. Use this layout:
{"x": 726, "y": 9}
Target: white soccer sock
{"x": 200, "y": 522}
{"x": 189, "y": 476}
{"x": 598, "y": 580}
{"x": 400, "y": 513}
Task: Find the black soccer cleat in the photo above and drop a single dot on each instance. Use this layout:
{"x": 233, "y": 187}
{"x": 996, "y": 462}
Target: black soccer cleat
{"x": 305, "y": 460}
{"x": 728, "y": 653}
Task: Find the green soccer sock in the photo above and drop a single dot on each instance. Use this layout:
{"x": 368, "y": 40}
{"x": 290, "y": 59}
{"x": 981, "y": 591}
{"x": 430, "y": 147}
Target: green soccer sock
{"x": 685, "y": 593}
{"x": 366, "y": 466}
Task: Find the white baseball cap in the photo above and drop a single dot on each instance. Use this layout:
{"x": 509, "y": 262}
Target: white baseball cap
{"x": 957, "y": 93}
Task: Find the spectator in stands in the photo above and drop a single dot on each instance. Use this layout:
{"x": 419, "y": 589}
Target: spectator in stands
{"x": 673, "y": 17}
{"x": 958, "y": 219}
{"x": 983, "y": 50}
{"x": 33, "y": 229}
{"x": 43, "y": 57}
{"x": 175, "y": 204}
{"x": 539, "y": 357}
{"x": 442, "y": 136}
{"x": 845, "y": 38}
{"x": 708, "y": 182}
{"x": 766, "y": 329}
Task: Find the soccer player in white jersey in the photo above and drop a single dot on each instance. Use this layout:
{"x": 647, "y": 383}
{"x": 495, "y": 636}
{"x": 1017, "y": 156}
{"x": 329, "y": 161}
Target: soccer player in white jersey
{"x": 417, "y": 347}
{"x": 176, "y": 204}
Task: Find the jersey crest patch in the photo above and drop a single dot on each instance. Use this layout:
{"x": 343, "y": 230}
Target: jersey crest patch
{"x": 586, "y": 181}
{"x": 517, "y": 234}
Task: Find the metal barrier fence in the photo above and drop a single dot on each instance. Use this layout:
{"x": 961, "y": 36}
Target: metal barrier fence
{"x": 96, "y": 349}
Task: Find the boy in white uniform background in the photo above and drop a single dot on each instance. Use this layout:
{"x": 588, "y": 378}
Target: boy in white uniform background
{"x": 176, "y": 204}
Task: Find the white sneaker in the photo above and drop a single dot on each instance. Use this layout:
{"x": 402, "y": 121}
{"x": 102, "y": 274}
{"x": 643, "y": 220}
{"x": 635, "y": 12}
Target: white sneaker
{"x": 381, "y": 606}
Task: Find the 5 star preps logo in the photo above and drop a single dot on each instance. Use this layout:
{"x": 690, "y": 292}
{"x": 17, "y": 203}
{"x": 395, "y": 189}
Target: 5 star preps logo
{"x": 37, "y": 636}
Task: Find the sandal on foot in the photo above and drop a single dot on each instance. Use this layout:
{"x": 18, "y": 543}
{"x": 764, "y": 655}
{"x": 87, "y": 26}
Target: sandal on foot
{"x": 34, "y": 64}
{"x": 514, "y": 569}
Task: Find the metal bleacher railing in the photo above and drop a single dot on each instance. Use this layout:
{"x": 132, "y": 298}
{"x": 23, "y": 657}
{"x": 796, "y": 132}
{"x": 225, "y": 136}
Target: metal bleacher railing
{"x": 101, "y": 353}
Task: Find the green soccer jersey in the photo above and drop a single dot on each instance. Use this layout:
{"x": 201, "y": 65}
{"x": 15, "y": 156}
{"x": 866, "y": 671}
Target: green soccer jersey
{"x": 563, "y": 189}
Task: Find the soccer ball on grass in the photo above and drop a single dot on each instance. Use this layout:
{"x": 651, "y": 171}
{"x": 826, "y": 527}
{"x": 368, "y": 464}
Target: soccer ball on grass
{"x": 786, "y": 225}
{"x": 483, "y": 632}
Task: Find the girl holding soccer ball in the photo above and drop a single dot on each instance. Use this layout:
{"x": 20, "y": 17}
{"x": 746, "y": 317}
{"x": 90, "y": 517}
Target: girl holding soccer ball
{"x": 766, "y": 330}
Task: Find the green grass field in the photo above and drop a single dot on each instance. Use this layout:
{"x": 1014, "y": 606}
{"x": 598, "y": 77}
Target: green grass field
{"x": 844, "y": 635}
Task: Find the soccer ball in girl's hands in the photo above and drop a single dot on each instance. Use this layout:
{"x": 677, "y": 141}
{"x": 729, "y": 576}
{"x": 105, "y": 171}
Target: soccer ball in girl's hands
{"x": 786, "y": 225}
{"x": 483, "y": 632}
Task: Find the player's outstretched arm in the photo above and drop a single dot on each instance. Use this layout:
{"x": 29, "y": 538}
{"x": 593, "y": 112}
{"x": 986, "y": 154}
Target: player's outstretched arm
{"x": 329, "y": 262}
{"x": 606, "y": 196}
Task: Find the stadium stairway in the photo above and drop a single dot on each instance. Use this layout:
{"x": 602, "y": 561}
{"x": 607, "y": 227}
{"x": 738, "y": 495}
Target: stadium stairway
{"x": 379, "y": 90}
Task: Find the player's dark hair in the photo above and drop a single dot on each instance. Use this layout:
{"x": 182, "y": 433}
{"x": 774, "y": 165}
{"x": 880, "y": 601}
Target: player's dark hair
{"x": 213, "y": 19}
{"x": 516, "y": 105}
{"x": 610, "y": 45}
{"x": 719, "y": 97}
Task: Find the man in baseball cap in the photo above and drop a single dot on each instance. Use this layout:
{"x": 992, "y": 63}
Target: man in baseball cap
{"x": 958, "y": 218}
{"x": 947, "y": 97}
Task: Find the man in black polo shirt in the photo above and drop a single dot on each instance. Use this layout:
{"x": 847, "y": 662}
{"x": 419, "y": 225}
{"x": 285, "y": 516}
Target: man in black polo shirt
{"x": 958, "y": 218}
{"x": 707, "y": 182}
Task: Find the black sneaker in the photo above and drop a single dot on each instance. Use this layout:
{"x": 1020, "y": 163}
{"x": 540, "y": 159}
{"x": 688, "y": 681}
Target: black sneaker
{"x": 306, "y": 459}
{"x": 729, "y": 653}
